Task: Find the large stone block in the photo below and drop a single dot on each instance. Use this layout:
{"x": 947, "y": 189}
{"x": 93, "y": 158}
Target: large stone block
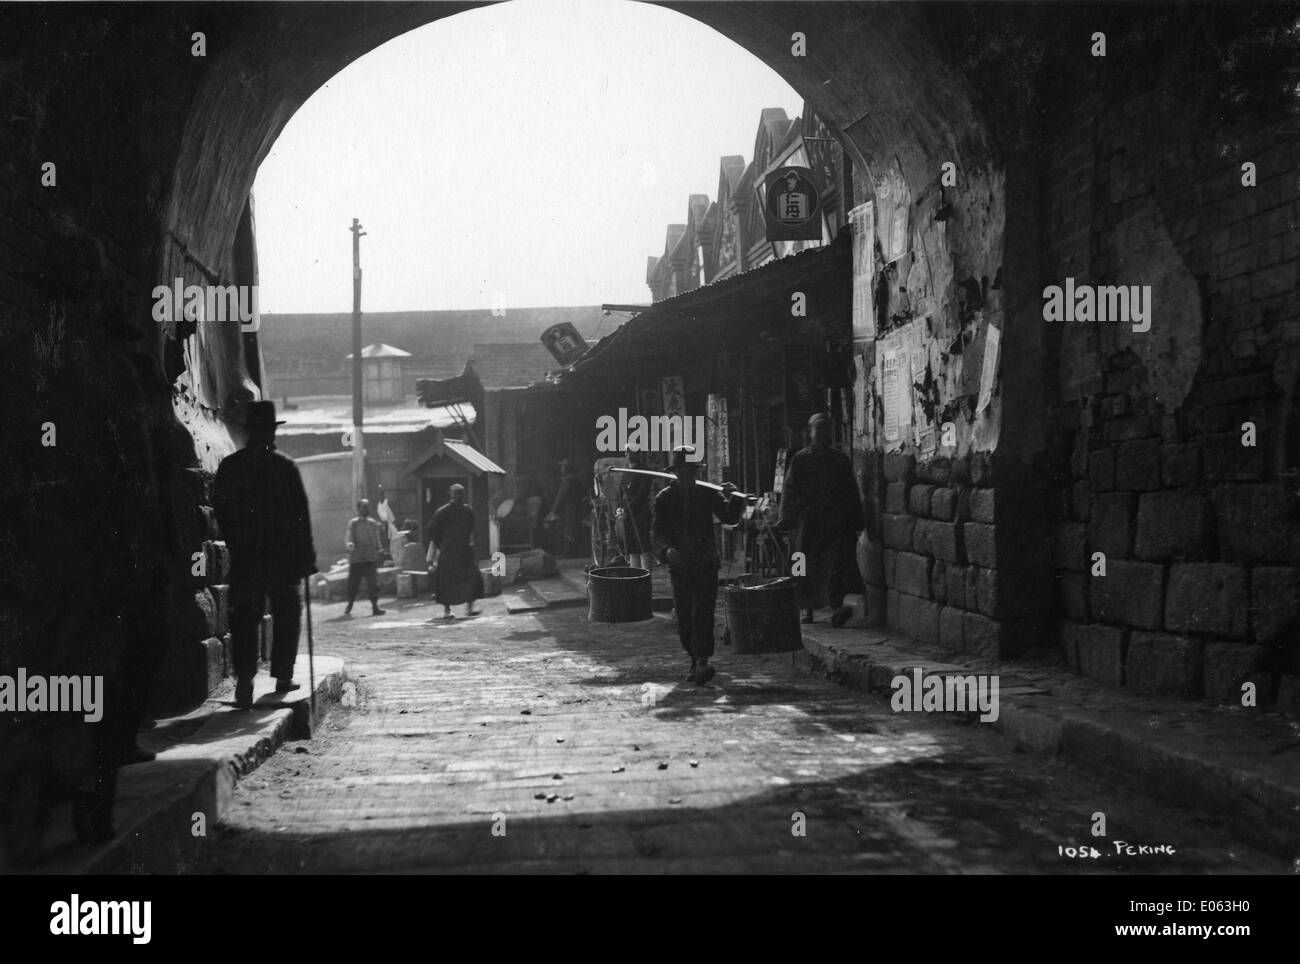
{"x": 1226, "y": 666}
{"x": 889, "y": 558}
{"x": 1162, "y": 665}
{"x": 939, "y": 582}
{"x": 896, "y": 530}
{"x": 1137, "y": 465}
{"x": 1070, "y": 550}
{"x": 894, "y": 609}
{"x": 1130, "y": 594}
{"x": 1174, "y": 524}
{"x": 912, "y": 574}
{"x": 955, "y": 593}
{"x": 1110, "y": 530}
{"x": 1101, "y": 469}
{"x": 939, "y": 539}
{"x": 1275, "y": 603}
{"x": 950, "y": 628}
{"x": 896, "y": 498}
{"x": 1251, "y": 523}
{"x": 936, "y": 471}
{"x": 1180, "y": 465}
{"x": 1013, "y": 593}
{"x": 919, "y": 618}
{"x": 943, "y": 504}
{"x": 1207, "y": 598}
{"x": 1098, "y": 649}
{"x": 918, "y": 500}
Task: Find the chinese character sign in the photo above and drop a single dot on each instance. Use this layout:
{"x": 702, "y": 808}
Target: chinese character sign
{"x": 793, "y": 205}
{"x": 673, "y": 394}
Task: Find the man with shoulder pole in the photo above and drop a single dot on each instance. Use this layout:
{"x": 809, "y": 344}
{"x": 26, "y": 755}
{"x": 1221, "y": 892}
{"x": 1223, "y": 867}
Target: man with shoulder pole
{"x": 682, "y": 535}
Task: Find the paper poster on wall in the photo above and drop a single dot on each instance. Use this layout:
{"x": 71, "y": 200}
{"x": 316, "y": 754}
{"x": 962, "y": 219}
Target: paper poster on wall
{"x": 863, "y": 223}
{"x": 892, "y": 200}
{"x": 992, "y": 351}
{"x": 895, "y": 393}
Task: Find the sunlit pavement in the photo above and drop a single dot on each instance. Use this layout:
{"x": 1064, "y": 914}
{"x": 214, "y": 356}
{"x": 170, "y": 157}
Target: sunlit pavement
{"x": 543, "y": 742}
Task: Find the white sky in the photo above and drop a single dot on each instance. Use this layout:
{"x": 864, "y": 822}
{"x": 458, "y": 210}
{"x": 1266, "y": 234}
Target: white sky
{"x": 535, "y": 150}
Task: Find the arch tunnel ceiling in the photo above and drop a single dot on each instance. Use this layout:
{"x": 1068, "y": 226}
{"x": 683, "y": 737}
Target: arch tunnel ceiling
{"x": 869, "y": 69}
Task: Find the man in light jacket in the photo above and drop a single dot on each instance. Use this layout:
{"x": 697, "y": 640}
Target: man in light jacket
{"x": 365, "y": 536}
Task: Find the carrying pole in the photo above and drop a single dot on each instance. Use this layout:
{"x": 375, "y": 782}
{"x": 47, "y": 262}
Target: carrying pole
{"x": 311, "y": 655}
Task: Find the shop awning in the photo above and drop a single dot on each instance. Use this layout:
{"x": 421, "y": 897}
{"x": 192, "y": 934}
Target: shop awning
{"x": 755, "y": 303}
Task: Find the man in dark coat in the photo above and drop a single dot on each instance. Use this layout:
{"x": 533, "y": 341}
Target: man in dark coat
{"x": 682, "y": 535}
{"x": 261, "y": 507}
{"x": 822, "y": 507}
{"x": 458, "y": 579}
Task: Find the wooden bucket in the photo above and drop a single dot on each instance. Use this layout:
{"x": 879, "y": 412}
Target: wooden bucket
{"x": 619, "y": 594}
{"x": 763, "y": 615}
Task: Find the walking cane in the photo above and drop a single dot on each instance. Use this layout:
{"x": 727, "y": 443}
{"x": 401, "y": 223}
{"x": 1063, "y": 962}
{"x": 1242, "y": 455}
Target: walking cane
{"x": 311, "y": 656}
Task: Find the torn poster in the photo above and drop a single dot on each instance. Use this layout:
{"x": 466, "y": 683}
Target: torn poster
{"x": 895, "y": 394}
{"x": 992, "y": 349}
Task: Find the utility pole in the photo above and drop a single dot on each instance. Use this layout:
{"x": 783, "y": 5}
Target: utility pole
{"x": 358, "y": 447}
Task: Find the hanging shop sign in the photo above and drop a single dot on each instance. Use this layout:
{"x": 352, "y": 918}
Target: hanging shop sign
{"x": 564, "y": 342}
{"x": 792, "y": 205}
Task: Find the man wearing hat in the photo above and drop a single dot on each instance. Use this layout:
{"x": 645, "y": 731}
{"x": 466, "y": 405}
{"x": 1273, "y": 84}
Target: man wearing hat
{"x": 261, "y": 507}
{"x": 682, "y": 535}
{"x": 822, "y": 507}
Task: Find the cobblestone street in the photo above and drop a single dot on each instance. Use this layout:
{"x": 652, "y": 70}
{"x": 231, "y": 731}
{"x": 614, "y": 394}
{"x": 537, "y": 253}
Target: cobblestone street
{"x": 602, "y": 758}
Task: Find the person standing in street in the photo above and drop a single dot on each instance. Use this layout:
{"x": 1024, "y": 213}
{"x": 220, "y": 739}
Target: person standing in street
{"x": 567, "y": 509}
{"x": 682, "y": 536}
{"x": 261, "y": 508}
{"x": 822, "y": 508}
{"x": 458, "y": 579}
{"x": 365, "y": 536}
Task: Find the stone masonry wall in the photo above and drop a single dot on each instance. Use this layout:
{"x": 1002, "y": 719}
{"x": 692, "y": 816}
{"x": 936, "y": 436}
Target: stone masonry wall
{"x": 1199, "y": 531}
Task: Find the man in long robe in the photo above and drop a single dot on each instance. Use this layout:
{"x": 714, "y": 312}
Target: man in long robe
{"x": 822, "y": 508}
{"x": 458, "y": 579}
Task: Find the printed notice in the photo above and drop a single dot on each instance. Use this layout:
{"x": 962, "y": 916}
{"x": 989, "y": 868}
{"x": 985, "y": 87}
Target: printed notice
{"x": 893, "y": 392}
{"x": 863, "y": 223}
